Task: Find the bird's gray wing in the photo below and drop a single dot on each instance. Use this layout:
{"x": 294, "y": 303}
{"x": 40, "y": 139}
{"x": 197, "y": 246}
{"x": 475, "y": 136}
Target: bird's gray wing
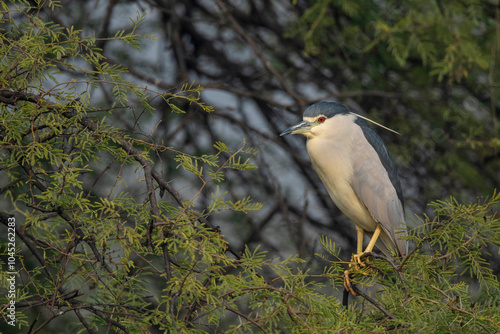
{"x": 376, "y": 183}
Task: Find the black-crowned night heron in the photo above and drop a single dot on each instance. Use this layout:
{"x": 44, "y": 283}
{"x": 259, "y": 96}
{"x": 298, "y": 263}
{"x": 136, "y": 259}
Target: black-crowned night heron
{"x": 358, "y": 173}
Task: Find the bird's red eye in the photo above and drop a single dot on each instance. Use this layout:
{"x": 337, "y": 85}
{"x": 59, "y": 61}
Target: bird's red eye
{"x": 321, "y": 119}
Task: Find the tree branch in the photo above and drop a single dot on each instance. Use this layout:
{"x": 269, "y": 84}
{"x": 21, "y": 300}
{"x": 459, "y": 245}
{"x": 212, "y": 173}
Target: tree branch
{"x": 373, "y": 302}
{"x": 257, "y": 51}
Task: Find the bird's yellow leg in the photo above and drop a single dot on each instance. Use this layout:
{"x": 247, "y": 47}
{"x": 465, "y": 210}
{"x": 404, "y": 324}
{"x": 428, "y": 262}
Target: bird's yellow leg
{"x": 359, "y": 251}
{"x": 356, "y": 258}
{"x": 361, "y": 234}
{"x": 369, "y": 248}
{"x": 373, "y": 240}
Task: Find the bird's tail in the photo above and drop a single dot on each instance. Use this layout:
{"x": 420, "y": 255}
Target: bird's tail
{"x": 391, "y": 247}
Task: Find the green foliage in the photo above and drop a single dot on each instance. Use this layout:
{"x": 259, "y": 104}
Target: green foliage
{"x": 461, "y": 235}
{"x": 128, "y": 260}
{"x": 442, "y": 35}
{"x": 190, "y": 94}
{"x": 191, "y": 163}
{"x": 429, "y": 290}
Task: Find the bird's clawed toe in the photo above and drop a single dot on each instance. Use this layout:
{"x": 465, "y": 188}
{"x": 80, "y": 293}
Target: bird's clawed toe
{"x": 347, "y": 283}
{"x": 356, "y": 260}
{"x": 357, "y": 265}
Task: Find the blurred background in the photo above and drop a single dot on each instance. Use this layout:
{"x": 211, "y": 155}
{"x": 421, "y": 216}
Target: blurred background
{"x": 429, "y": 70}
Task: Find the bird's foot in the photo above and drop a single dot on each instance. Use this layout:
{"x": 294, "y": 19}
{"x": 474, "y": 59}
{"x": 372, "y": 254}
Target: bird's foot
{"x": 358, "y": 263}
{"x": 358, "y": 266}
{"x": 356, "y": 260}
{"x": 347, "y": 283}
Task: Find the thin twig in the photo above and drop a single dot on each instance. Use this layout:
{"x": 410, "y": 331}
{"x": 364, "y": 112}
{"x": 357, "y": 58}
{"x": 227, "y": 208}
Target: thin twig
{"x": 373, "y": 302}
{"x": 83, "y": 321}
{"x": 257, "y": 51}
{"x": 393, "y": 265}
{"x": 247, "y": 318}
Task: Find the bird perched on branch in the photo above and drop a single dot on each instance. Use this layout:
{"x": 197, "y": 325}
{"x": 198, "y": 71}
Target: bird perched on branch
{"x": 361, "y": 178}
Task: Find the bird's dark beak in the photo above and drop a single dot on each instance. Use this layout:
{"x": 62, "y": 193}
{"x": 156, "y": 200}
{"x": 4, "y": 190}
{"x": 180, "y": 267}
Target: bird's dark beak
{"x": 301, "y": 127}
